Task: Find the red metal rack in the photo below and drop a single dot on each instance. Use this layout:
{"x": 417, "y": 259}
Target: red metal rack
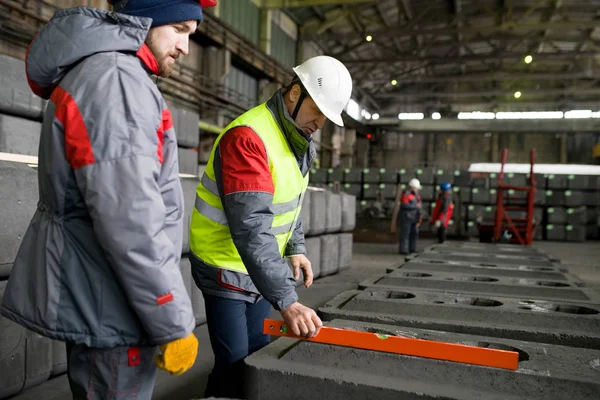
{"x": 522, "y": 229}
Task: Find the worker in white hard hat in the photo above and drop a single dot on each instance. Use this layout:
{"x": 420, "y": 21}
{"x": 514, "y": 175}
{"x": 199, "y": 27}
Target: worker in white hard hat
{"x": 246, "y": 218}
{"x": 406, "y": 219}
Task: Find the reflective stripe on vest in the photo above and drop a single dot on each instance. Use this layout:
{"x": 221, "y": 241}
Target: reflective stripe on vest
{"x": 210, "y": 238}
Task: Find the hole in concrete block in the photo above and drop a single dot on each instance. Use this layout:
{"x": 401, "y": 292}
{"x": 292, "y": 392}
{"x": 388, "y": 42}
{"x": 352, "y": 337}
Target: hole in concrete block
{"x": 523, "y": 356}
{"x": 487, "y": 265}
{"x": 552, "y": 284}
{"x": 481, "y": 279}
{"x": 435, "y": 262}
{"x": 416, "y": 275}
{"x": 542, "y": 269}
{"x": 525, "y": 308}
{"x": 401, "y": 295}
{"x": 438, "y": 302}
{"x": 571, "y": 309}
{"x": 479, "y": 302}
{"x": 449, "y": 279}
{"x": 527, "y": 302}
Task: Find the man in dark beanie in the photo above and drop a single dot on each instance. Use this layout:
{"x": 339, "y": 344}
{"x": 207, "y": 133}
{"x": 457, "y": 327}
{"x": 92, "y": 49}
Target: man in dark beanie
{"x": 99, "y": 265}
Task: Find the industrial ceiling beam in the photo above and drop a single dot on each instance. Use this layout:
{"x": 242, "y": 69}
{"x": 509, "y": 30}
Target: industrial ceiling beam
{"x": 487, "y": 77}
{"x": 438, "y": 60}
{"x": 487, "y": 93}
{"x": 307, "y": 3}
{"x": 452, "y": 30}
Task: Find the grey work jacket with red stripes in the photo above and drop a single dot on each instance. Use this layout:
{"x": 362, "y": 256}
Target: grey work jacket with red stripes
{"x": 99, "y": 263}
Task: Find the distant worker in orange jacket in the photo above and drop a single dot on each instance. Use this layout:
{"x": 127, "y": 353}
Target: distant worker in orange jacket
{"x": 442, "y": 212}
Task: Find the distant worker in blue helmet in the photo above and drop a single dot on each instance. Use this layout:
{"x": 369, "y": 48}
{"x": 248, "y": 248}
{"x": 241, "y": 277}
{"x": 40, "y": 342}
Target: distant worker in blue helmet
{"x": 407, "y": 217}
{"x": 442, "y": 213}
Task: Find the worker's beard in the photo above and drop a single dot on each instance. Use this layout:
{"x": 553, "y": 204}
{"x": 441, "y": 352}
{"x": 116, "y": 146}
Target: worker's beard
{"x": 164, "y": 58}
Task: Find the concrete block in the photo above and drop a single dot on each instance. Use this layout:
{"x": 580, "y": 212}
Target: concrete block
{"x": 354, "y": 189}
{"x": 480, "y": 196}
{"x": 188, "y": 132}
{"x": 482, "y": 258}
{"x": 313, "y": 252}
{"x": 452, "y": 229}
{"x": 15, "y": 94}
{"x": 330, "y": 254}
{"x": 389, "y": 176}
{"x": 188, "y": 161}
{"x": 19, "y": 197}
{"x": 348, "y": 212}
{"x": 576, "y": 216}
{"x": 353, "y": 175}
{"x": 19, "y": 136}
{"x": 575, "y": 233}
{"x": 25, "y": 357}
{"x": 317, "y": 370}
{"x": 318, "y": 209}
{"x": 345, "y": 252}
{"x": 59, "y": 358}
{"x": 462, "y": 178}
{"x": 555, "y": 232}
{"x": 369, "y": 191}
{"x": 557, "y": 182}
{"x": 557, "y": 215}
{"x": 334, "y": 212}
{"x": 574, "y": 198}
{"x": 189, "y": 186}
{"x": 515, "y": 179}
{"x": 388, "y": 191}
{"x": 471, "y": 229}
{"x": 488, "y": 285}
{"x": 427, "y": 192}
{"x": 487, "y": 248}
{"x": 592, "y": 232}
{"x": 544, "y": 273}
{"x": 305, "y": 214}
{"x": 555, "y": 198}
{"x": 443, "y": 176}
{"x": 540, "y": 181}
{"x": 425, "y": 176}
{"x": 318, "y": 175}
{"x": 335, "y": 175}
{"x": 519, "y": 318}
{"x": 580, "y": 182}
{"x": 591, "y": 199}
{"x": 370, "y": 175}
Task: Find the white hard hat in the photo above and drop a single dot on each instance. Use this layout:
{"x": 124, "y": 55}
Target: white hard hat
{"x": 328, "y": 83}
{"x": 414, "y": 182}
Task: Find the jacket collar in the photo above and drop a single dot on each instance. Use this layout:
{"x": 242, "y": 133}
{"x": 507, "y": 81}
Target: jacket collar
{"x": 148, "y": 59}
{"x": 300, "y": 143}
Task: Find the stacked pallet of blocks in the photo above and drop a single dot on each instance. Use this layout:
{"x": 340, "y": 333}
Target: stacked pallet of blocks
{"x": 500, "y": 297}
{"x": 328, "y": 220}
{"x": 567, "y": 207}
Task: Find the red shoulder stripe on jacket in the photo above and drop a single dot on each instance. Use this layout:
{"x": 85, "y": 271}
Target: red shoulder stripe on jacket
{"x": 244, "y": 162}
{"x": 78, "y": 147}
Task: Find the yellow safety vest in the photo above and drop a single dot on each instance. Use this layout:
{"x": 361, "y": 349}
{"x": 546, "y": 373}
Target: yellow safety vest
{"x": 210, "y": 238}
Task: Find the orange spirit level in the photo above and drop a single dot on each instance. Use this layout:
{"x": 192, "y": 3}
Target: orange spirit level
{"x": 401, "y": 345}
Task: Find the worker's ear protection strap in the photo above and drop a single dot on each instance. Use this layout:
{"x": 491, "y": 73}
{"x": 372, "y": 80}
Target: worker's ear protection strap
{"x": 303, "y": 95}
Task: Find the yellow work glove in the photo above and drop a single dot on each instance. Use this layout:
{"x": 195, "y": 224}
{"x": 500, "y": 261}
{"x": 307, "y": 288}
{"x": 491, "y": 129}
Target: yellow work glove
{"x": 178, "y": 356}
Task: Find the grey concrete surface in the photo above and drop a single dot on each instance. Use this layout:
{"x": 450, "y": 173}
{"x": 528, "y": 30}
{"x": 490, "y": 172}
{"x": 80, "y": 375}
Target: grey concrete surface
{"x": 345, "y": 251}
{"x": 572, "y": 324}
{"x": 19, "y": 136}
{"x": 532, "y": 261}
{"x": 188, "y": 161}
{"x": 330, "y": 254}
{"x": 348, "y": 212}
{"x": 486, "y": 248}
{"x": 484, "y": 269}
{"x": 59, "y": 358}
{"x": 333, "y": 213}
{"x": 314, "y": 370}
{"x": 15, "y": 94}
{"x": 471, "y": 283}
{"x": 189, "y": 186}
{"x": 18, "y": 197}
{"x": 305, "y": 214}
{"x": 318, "y": 219}
{"x": 313, "y": 252}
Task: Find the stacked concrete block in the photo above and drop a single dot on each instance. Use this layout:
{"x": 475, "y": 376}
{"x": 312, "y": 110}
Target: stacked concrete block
{"x": 345, "y": 251}
{"x": 189, "y": 186}
{"x": 354, "y": 189}
{"x": 555, "y": 232}
{"x": 575, "y": 233}
{"x": 19, "y": 136}
{"x": 557, "y": 182}
{"x": 330, "y": 254}
{"x": 16, "y": 96}
{"x": 338, "y": 372}
{"x": 313, "y": 252}
{"x": 425, "y": 176}
{"x": 444, "y": 176}
{"x": 335, "y": 175}
{"x": 370, "y": 191}
{"x": 389, "y": 176}
{"x": 318, "y": 207}
{"x": 185, "y": 123}
{"x": 188, "y": 161}
{"x": 318, "y": 175}
{"x": 333, "y": 213}
{"x": 353, "y": 175}
{"x": 305, "y": 213}
{"x": 348, "y": 212}
{"x": 370, "y": 175}
{"x": 480, "y": 196}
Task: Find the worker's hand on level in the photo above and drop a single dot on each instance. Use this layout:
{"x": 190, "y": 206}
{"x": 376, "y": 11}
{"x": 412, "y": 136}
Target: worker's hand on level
{"x": 438, "y": 223}
{"x": 178, "y": 356}
{"x": 303, "y": 321}
{"x": 300, "y": 262}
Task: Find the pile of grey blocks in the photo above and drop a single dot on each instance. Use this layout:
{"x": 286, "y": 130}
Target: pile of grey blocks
{"x": 26, "y": 358}
{"x": 502, "y": 297}
{"x": 328, "y": 220}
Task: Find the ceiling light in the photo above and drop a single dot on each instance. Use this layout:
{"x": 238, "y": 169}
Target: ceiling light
{"x": 369, "y": 38}
{"x": 436, "y": 115}
{"x": 375, "y": 116}
{"x": 528, "y": 59}
{"x": 517, "y": 94}
{"x": 394, "y": 82}
{"x": 413, "y": 116}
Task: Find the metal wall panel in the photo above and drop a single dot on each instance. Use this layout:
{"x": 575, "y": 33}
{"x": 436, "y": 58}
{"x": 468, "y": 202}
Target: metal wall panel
{"x": 283, "y": 47}
{"x": 243, "y": 16}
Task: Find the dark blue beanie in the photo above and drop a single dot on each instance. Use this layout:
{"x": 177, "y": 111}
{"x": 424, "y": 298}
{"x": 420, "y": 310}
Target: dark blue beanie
{"x": 163, "y": 12}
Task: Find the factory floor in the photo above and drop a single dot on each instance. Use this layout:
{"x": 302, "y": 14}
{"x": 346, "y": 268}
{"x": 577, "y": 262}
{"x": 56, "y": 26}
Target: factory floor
{"x": 580, "y": 259}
